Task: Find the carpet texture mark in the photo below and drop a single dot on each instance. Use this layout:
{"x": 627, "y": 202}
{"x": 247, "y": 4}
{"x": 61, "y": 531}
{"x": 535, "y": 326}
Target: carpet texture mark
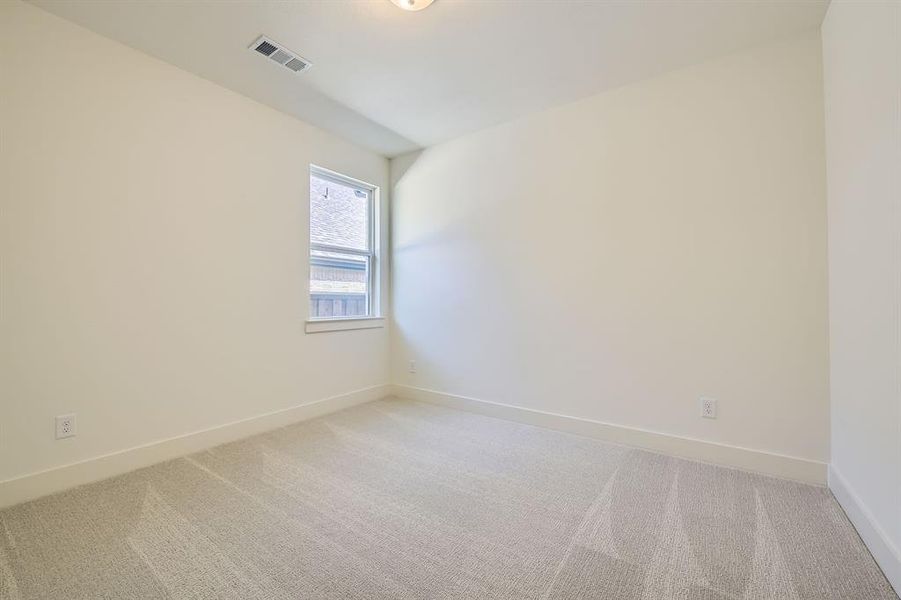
{"x": 770, "y": 577}
{"x": 673, "y": 569}
{"x": 8, "y": 586}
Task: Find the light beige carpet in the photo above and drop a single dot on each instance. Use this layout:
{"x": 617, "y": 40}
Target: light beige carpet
{"x": 396, "y": 499}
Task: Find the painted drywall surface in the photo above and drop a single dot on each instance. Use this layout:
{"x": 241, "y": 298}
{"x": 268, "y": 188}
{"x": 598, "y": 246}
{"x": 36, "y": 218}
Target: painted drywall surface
{"x": 862, "y": 82}
{"x": 617, "y": 258}
{"x": 154, "y": 250}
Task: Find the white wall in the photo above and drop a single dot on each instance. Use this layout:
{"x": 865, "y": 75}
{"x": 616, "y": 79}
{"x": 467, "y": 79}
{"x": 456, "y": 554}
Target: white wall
{"x": 862, "y": 75}
{"x": 616, "y": 258}
{"x": 154, "y": 250}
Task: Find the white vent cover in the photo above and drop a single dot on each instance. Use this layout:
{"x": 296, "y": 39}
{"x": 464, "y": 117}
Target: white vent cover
{"x": 278, "y": 53}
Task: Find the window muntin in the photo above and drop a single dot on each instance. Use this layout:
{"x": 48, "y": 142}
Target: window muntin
{"x": 342, "y": 256}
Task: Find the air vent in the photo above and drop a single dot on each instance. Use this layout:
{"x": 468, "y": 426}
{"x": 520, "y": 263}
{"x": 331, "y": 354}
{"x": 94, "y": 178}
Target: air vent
{"x": 278, "y": 53}
{"x": 296, "y": 65}
{"x": 281, "y": 57}
{"x": 266, "y": 48}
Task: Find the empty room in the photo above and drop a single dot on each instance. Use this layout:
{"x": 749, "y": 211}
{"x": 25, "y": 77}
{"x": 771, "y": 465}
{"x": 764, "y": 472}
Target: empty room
{"x": 450, "y": 299}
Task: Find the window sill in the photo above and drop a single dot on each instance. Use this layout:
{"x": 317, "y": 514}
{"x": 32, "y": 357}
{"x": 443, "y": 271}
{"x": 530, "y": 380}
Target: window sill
{"x": 323, "y": 325}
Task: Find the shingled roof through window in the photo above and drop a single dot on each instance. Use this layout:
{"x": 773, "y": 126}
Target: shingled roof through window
{"x": 338, "y": 214}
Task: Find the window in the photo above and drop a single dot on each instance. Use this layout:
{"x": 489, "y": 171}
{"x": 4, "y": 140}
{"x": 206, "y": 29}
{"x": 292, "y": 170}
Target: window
{"x": 342, "y": 247}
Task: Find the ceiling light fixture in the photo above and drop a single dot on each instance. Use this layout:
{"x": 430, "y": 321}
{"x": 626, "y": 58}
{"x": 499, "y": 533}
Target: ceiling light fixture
{"x": 412, "y": 4}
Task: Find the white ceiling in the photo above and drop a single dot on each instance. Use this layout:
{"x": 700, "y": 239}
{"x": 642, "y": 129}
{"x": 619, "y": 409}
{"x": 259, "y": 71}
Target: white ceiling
{"x": 395, "y": 81}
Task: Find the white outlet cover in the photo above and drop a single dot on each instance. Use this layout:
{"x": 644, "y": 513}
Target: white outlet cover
{"x": 66, "y": 426}
{"x": 708, "y": 408}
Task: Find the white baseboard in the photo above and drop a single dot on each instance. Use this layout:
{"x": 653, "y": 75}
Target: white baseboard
{"x": 758, "y": 461}
{"x": 42, "y": 483}
{"x": 887, "y": 556}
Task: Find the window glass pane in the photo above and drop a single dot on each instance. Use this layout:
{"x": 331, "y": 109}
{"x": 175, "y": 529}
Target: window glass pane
{"x": 339, "y": 214}
{"x": 339, "y": 285}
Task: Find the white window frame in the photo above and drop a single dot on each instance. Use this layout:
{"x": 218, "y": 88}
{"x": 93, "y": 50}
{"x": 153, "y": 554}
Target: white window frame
{"x": 373, "y": 317}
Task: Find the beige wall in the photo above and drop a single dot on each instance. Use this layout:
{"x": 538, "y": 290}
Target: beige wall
{"x": 616, "y": 258}
{"x": 862, "y": 72}
{"x": 154, "y": 243}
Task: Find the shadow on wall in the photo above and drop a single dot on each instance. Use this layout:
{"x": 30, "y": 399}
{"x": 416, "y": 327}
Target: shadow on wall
{"x": 442, "y": 247}
{"x": 417, "y": 244}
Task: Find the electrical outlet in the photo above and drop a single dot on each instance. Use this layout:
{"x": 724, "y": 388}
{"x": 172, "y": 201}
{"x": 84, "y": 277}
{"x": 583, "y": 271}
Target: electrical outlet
{"x": 708, "y": 408}
{"x": 65, "y": 426}
{"x": 412, "y": 367}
